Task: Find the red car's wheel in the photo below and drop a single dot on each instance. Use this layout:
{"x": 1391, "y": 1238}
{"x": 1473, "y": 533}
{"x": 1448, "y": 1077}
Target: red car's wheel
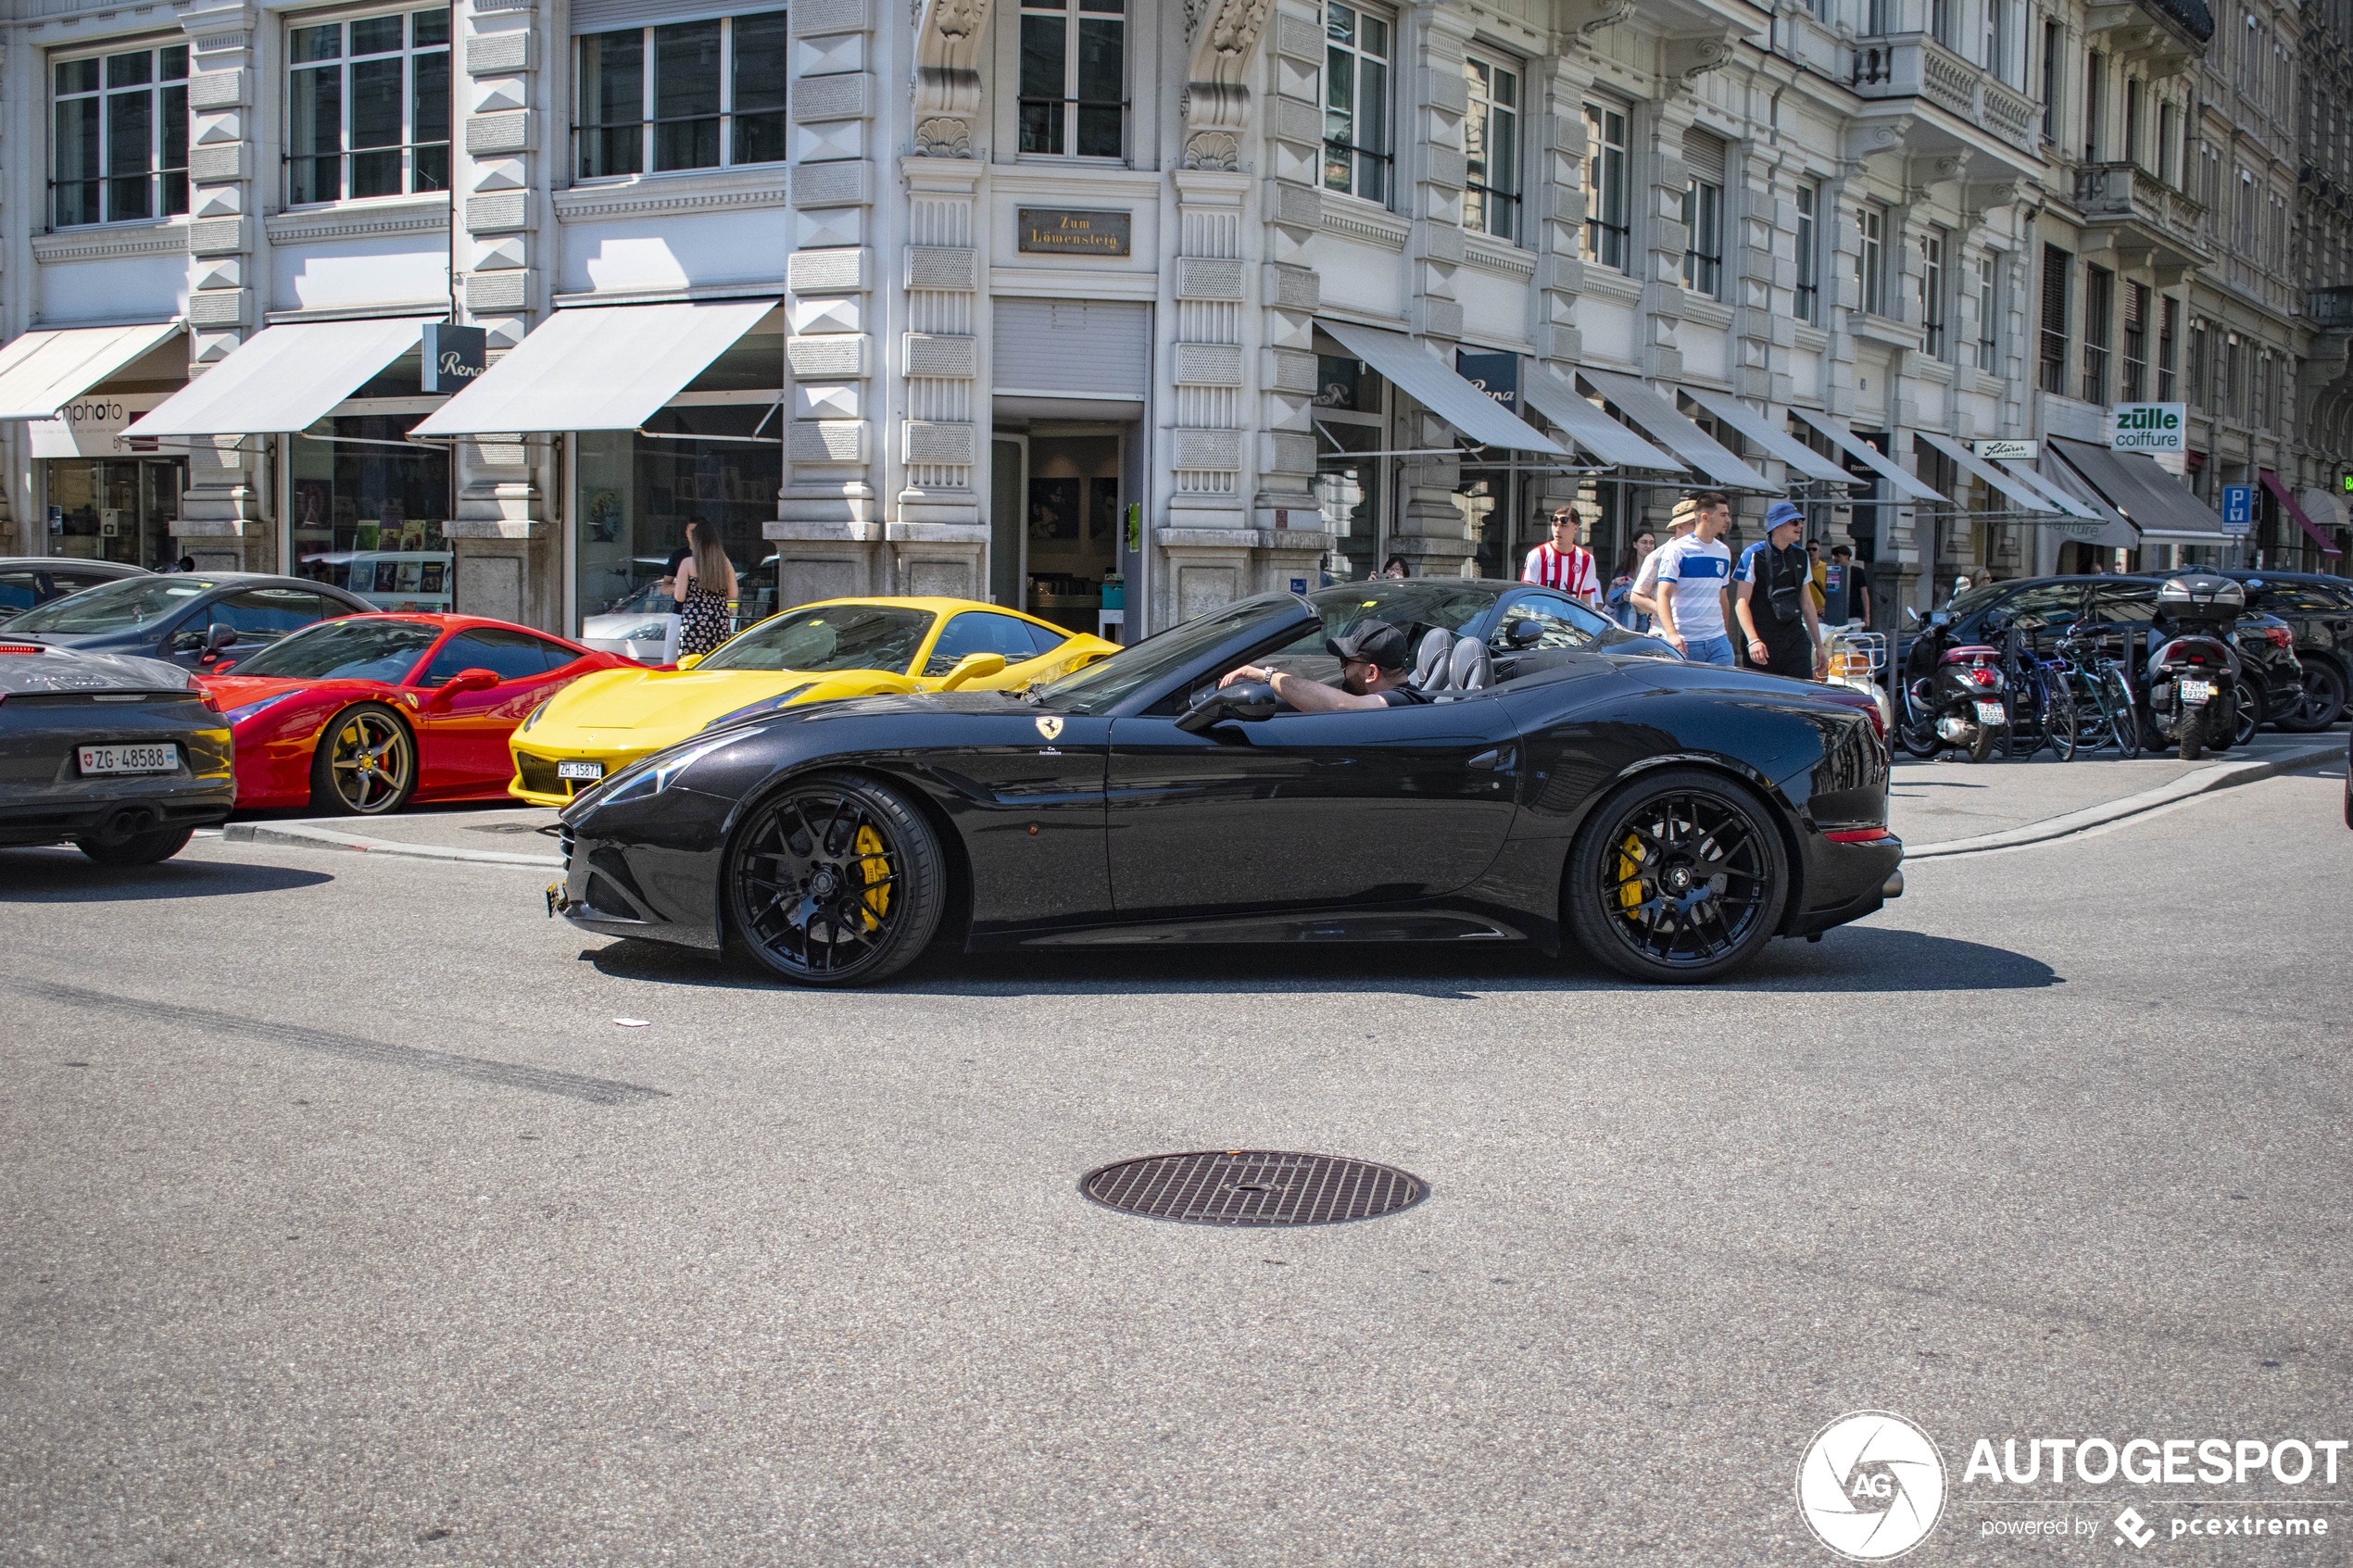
{"x": 365, "y": 764}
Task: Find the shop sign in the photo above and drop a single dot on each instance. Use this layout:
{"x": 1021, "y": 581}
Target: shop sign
{"x": 1494, "y": 374}
{"x": 2013, "y": 451}
{"x": 92, "y": 427}
{"x": 454, "y": 356}
{"x": 1058, "y": 231}
{"x": 2150, "y": 427}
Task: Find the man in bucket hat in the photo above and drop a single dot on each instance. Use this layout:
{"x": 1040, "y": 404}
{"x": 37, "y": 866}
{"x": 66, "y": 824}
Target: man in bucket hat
{"x": 1372, "y": 656}
{"x": 1775, "y": 610}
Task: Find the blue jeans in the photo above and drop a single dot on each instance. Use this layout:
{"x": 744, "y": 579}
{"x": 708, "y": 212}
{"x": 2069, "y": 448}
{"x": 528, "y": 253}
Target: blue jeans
{"x": 1708, "y": 650}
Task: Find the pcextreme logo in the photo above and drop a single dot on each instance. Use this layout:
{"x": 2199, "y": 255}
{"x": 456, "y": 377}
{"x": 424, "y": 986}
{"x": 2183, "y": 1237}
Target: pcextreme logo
{"x": 1872, "y": 1485}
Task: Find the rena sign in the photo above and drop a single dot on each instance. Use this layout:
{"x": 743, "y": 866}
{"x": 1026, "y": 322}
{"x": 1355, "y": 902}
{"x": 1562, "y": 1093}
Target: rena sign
{"x": 454, "y": 356}
{"x": 2149, "y": 427}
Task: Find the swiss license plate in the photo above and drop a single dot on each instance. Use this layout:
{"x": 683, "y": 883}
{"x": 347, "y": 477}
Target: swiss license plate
{"x": 129, "y": 760}
{"x": 2197, "y": 691}
{"x": 1990, "y": 713}
{"x": 580, "y": 770}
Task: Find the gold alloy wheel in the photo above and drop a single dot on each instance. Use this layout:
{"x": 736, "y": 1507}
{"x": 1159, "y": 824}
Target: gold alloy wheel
{"x": 372, "y": 762}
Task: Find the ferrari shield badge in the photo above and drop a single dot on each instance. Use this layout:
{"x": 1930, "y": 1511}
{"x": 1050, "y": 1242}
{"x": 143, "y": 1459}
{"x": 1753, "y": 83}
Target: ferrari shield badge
{"x": 1049, "y": 727}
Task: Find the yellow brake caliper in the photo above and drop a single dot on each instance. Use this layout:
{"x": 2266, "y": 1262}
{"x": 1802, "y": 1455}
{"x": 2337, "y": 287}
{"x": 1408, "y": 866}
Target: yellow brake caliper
{"x": 874, "y": 866}
{"x": 1629, "y": 875}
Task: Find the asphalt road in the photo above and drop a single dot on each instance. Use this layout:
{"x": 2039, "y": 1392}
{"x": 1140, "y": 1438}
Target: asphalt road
{"x": 343, "y": 1223}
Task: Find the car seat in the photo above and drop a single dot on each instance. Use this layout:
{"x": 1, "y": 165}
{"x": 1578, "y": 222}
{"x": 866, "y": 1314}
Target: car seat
{"x": 1433, "y": 666}
{"x": 1470, "y": 669}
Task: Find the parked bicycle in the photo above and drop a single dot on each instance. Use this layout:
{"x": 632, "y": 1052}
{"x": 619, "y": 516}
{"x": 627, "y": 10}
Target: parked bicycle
{"x": 2041, "y": 693}
{"x": 2105, "y": 714}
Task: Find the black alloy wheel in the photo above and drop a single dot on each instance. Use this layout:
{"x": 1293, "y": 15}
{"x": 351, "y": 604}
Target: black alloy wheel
{"x": 365, "y": 764}
{"x": 2246, "y": 716}
{"x": 1677, "y": 876}
{"x": 2324, "y": 700}
{"x": 836, "y": 880}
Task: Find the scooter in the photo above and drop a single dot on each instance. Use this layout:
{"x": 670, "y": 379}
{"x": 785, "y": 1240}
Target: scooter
{"x": 1950, "y": 697}
{"x": 2192, "y": 677}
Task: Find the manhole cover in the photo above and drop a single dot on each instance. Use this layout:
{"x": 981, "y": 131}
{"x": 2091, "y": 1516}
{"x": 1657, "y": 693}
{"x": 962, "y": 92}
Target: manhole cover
{"x": 1253, "y": 1186}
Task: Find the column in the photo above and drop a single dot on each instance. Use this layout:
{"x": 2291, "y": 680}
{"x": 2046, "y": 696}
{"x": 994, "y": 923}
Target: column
{"x": 219, "y": 522}
{"x": 938, "y": 538}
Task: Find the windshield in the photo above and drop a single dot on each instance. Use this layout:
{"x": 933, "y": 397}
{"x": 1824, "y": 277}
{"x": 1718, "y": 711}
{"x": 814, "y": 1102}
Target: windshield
{"x": 344, "y": 650}
{"x": 826, "y": 638}
{"x": 121, "y": 605}
{"x": 1969, "y": 604}
{"x": 1103, "y": 686}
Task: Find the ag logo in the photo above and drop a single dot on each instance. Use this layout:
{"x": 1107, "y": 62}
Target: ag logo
{"x": 1872, "y": 1485}
{"x": 1050, "y": 728}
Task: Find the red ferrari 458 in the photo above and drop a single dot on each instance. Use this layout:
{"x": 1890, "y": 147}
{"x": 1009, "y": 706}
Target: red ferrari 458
{"x": 363, "y": 714}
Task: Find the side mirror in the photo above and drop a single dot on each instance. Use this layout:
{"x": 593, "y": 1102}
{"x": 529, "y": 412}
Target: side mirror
{"x": 1252, "y": 700}
{"x": 1522, "y": 633}
{"x": 974, "y": 667}
{"x": 690, "y": 662}
{"x": 222, "y": 635}
{"x": 464, "y": 681}
{"x": 1911, "y": 616}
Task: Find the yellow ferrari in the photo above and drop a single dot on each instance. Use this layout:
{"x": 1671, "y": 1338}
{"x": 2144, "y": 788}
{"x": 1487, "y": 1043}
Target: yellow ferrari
{"x": 842, "y": 647}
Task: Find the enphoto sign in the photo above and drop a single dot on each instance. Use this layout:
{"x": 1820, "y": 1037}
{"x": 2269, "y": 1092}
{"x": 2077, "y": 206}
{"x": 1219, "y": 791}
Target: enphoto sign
{"x": 2150, "y": 427}
{"x": 1056, "y": 230}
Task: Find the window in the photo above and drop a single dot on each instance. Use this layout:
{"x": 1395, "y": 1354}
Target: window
{"x": 2131, "y": 120}
{"x": 1870, "y": 261}
{"x": 702, "y": 95}
{"x": 1932, "y": 291}
{"x": 1606, "y": 228}
{"x": 1490, "y": 151}
{"x": 2099, "y": 300}
{"x": 1874, "y": 19}
{"x": 1809, "y": 275}
{"x": 2136, "y": 341}
{"x": 2054, "y": 42}
{"x": 264, "y": 615}
{"x": 510, "y": 656}
{"x": 1997, "y": 38}
{"x": 2231, "y": 396}
{"x": 2094, "y": 102}
{"x": 2201, "y": 364}
{"x": 1356, "y": 156}
{"x": 1940, "y": 20}
{"x": 2169, "y": 317}
{"x": 368, "y": 107}
{"x": 1074, "y": 77}
{"x": 2262, "y": 400}
{"x": 122, "y": 146}
{"x": 1989, "y": 316}
{"x": 1561, "y": 622}
{"x": 2165, "y": 143}
{"x": 1704, "y": 213}
{"x": 2056, "y": 263}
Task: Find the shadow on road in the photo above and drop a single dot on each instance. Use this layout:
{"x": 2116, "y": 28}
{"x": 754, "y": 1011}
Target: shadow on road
{"x": 67, "y": 876}
{"x": 1857, "y": 959}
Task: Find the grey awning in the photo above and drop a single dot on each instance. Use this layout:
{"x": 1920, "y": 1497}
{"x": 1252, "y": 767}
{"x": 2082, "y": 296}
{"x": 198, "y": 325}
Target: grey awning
{"x": 2019, "y": 491}
{"x": 1771, "y": 433}
{"x": 2159, "y": 504}
{"x": 2068, "y": 501}
{"x": 1409, "y": 366}
{"x": 1699, "y": 450}
{"x": 1590, "y": 428}
{"x": 2107, "y": 527}
{"x": 1873, "y": 458}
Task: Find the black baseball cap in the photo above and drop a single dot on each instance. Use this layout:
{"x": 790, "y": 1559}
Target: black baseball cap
{"x": 1378, "y": 641}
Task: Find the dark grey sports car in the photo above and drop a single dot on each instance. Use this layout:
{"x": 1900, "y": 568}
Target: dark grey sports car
{"x": 199, "y": 620}
{"x": 1672, "y": 818}
{"x": 125, "y": 758}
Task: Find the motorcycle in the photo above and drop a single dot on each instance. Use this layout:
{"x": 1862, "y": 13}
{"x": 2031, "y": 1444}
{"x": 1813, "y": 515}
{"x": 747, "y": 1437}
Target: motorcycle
{"x": 1959, "y": 700}
{"x": 2193, "y": 678}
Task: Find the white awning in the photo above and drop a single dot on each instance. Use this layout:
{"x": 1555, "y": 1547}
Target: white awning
{"x": 1769, "y": 433}
{"x": 1836, "y": 429}
{"x": 2019, "y": 491}
{"x": 41, "y": 372}
{"x": 1412, "y": 368}
{"x": 1678, "y": 434}
{"x": 1591, "y": 429}
{"x": 598, "y": 367}
{"x": 2058, "y": 494}
{"x": 284, "y": 378}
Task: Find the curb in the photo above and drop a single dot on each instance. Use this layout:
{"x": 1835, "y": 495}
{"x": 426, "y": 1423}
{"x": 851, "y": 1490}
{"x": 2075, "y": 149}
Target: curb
{"x": 2205, "y": 781}
{"x": 328, "y": 838}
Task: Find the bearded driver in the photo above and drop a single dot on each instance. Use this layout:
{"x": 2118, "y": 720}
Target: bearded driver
{"x": 1372, "y": 674}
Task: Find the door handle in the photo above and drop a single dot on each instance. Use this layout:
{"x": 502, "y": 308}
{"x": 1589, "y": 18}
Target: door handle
{"x": 1499, "y": 758}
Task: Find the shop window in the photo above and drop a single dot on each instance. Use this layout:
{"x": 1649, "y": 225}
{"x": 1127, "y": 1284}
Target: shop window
{"x": 637, "y": 494}
{"x": 977, "y": 631}
{"x": 1348, "y": 489}
{"x": 697, "y": 94}
{"x": 1074, "y": 78}
{"x": 368, "y": 517}
{"x": 368, "y": 107}
{"x": 1356, "y": 144}
{"x": 1608, "y": 226}
{"x": 1491, "y": 147}
{"x": 115, "y": 509}
{"x": 1809, "y": 257}
{"x": 121, "y": 137}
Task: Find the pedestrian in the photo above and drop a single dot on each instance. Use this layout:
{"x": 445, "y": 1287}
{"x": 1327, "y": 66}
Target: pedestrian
{"x": 1774, "y": 605}
{"x": 1620, "y": 603}
{"x": 1643, "y": 596}
{"x": 1695, "y": 580}
{"x": 1843, "y": 597}
{"x": 1817, "y": 573}
{"x": 706, "y": 587}
{"x": 1561, "y": 563}
{"x": 1394, "y": 567}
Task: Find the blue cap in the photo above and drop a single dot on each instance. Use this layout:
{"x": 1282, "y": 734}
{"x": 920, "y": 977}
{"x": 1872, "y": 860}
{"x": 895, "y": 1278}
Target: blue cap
{"x": 1781, "y": 512}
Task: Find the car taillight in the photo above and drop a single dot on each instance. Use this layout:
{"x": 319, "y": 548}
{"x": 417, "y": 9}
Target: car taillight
{"x": 204, "y": 694}
{"x": 22, "y": 647}
{"x": 2278, "y": 636}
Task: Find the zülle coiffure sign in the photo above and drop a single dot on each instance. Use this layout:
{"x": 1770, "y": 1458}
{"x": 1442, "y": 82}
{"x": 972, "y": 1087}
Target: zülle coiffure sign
{"x": 2150, "y": 427}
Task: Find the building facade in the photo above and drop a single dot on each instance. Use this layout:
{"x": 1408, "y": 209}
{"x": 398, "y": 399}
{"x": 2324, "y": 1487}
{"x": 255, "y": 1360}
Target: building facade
{"x": 1120, "y": 310}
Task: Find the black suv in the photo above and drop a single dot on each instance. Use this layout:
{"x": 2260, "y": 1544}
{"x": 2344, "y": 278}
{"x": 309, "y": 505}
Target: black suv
{"x": 2319, "y": 612}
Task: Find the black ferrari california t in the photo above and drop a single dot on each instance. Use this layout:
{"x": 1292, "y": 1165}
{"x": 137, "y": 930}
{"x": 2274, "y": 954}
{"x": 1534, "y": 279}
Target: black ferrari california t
{"x": 1670, "y": 818}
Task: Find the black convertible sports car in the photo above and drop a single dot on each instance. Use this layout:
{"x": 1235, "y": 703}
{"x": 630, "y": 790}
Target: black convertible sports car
{"x": 1672, "y": 817}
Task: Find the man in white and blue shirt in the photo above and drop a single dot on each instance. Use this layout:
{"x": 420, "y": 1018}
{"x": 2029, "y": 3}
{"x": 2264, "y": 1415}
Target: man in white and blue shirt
{"x": 1695, "y": 580}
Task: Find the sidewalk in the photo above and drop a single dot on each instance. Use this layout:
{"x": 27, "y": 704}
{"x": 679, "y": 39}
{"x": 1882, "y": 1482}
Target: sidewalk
{"x": 491, "y": 835}
{"x": 1950, "y": 807}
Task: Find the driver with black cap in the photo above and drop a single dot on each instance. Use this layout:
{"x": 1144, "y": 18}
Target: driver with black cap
{"x": 1372, "y": 674}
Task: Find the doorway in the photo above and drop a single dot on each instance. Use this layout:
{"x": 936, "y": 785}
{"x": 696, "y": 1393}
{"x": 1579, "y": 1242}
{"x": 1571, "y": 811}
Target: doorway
{"x": 1058, "y": 499}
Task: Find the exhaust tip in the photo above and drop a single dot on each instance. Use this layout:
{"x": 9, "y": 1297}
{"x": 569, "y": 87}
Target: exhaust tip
{"x": 1893, "y": 887}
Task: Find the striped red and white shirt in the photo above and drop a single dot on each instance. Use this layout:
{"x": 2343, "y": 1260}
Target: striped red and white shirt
{"x": 1572, "y": 574}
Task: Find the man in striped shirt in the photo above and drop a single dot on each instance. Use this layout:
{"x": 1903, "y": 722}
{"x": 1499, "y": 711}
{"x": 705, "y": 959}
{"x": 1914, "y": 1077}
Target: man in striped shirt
{"x": 1563, "y": 563}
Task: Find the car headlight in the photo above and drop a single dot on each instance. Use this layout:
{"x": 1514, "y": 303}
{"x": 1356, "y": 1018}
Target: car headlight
{"x": 532, "y": 717}
{"x": 655, "y": 773}
{"x": 239, "y": 715}
{"x": 765, "y": 705}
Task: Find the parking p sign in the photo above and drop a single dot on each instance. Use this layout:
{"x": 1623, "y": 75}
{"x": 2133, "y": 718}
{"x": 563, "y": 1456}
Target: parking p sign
{"x": 2238, "y": 508}
{"x": 2150, "y": 427}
